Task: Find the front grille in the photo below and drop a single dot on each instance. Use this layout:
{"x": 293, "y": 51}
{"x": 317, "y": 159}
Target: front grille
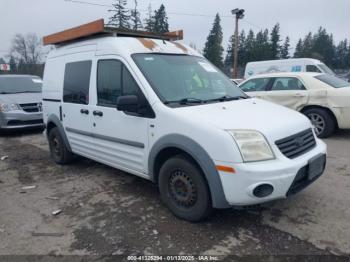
{"x": 31, "y": 108}
{"x": 23, "y": 123}
{"x": 298, "y": 144}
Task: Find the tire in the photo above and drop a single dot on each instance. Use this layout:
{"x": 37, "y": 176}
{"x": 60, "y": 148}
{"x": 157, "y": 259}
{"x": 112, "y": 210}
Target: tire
{"x": 322, "y": 120}
{"x": 184, "y": 190}
{"x": 59, "y": 152}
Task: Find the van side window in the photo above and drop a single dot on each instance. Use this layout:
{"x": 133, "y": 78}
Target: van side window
{"x": 312, "y": 68}
{"x": 130, "y": 87}
{"x": 109, "y": 81}
{"x": 114, "y": 80}
{"x": 257, "y": 84}
{"x": 77, "y": 82}
{"x": 287, "y": 83}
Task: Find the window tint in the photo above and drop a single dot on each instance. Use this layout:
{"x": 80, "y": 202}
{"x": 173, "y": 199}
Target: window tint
{"x": 109, "y": 81}
{"x": 77, "y": 82}
{"x": 129, "y": 85}
{"x": 258, "y": 84}
{"x": 114, "y": 80}
{"x": 333, "y": 81}
{"x": 287, "y": 83}
{"x": 312, "y": 68}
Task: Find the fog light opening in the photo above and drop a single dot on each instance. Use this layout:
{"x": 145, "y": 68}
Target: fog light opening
{"x": 263, "y": 190}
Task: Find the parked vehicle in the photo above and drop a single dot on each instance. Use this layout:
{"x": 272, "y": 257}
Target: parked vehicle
{"x": 286, "y": 65}
{"x": 324, "y": 98}
{"x": 20, "y": 102}
{"x": 159, "y": 110}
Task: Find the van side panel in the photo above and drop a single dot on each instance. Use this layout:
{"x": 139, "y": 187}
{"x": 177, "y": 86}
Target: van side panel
{"x": 52, "y": 87}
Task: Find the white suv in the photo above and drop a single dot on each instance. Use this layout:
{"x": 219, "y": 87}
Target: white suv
{"x": 159, "y": 110}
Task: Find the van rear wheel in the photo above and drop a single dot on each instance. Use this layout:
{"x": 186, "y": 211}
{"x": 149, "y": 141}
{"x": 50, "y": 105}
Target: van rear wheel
{"x": 184, "y": 190}
{"x": 59, "y": 152}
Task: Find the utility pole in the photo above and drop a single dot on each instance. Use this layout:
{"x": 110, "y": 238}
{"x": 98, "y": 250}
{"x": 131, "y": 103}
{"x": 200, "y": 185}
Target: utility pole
{"x": 239, "y": 13}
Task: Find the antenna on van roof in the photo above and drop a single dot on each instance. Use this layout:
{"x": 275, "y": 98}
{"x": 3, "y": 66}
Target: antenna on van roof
{"x": 98, "y": 28}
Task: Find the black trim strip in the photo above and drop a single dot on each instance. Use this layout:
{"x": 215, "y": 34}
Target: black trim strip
{"x": 61, "y": 119}
{"x": 51, "y": 100}
{"x": 107, "y": 138}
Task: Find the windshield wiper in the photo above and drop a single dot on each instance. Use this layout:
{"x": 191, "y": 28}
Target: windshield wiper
{"x": 186, "y": 101}
{"x": 226, "y": 98}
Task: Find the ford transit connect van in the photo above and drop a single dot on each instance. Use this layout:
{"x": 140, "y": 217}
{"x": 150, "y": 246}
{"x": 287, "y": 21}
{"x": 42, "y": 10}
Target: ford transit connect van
{"x": 157, "y": 109}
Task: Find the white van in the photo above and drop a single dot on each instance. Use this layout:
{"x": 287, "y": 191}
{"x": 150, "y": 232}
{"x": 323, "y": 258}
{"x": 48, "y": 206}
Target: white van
{"x": 157, "y": 109}
{"x": 286, "y": 65}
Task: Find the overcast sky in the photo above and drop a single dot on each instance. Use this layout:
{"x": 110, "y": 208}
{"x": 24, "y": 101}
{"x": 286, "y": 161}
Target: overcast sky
{"x": 296, "y": 17}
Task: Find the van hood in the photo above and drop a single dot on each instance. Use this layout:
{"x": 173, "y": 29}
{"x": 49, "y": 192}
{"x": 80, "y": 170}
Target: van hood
{"x": 21, "y": 98}
{"x": 272, "y": 120}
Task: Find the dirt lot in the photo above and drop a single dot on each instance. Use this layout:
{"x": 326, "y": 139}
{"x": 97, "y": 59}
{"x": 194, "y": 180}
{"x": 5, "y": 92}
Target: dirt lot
{"x": 106, "y": 211}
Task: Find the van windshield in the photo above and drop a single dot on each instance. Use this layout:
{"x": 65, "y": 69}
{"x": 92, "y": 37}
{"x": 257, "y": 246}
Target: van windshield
{"x": 186, "y": 79}
{"x": 326, "y": 69}
{"x": 20, "y": 84}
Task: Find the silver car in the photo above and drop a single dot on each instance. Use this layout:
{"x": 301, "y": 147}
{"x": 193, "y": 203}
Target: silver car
{"x": 20, "y": 102}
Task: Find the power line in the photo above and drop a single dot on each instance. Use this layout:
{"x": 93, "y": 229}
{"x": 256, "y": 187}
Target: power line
{"x": 144, "y": 10}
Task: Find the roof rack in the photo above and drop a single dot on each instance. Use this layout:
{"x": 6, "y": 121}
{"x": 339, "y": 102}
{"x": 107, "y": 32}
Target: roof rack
{"x": 98, "y": 27}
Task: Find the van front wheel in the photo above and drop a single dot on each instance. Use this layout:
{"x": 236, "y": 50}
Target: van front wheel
{"x": 184, "y": 190}
{"x": 59, "y": 152}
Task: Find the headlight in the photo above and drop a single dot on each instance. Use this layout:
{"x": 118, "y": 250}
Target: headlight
{"x": 253, "y": 145}
{"x": 9, "y": 107}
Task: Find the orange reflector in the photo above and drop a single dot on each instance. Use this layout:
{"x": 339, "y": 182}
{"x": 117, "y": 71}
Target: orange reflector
{"x": 227, "y": 169}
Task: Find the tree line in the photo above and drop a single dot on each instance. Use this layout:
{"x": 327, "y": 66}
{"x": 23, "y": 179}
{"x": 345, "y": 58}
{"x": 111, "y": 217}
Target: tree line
{"x": 269, "y": 45}
{"x": 126, "y": 18}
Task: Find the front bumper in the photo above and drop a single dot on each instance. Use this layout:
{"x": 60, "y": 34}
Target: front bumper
{"x": 280, "y": 173}
{"x": 20, "y": 120}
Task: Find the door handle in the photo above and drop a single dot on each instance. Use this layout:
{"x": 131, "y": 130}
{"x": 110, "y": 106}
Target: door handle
{"x": 84, "y": 111}
{"x": 298, "y": 95}
{"x": 97, "y": 113}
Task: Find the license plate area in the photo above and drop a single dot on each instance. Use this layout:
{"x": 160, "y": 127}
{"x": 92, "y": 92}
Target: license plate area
{"x": 316, "y": 166}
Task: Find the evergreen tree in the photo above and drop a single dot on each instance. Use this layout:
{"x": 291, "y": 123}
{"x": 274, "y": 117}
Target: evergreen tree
{"x": 161, "y": 24}
{"x": 249, "y": 46}
{"x": 230, "y": 55}
{"x": 275, "y": 39}
{"x": 347, "y": 58}
{"x": 120, "y": 16}
{"x": 298, "y": 53}
{"x": 135, "y": 16}
{"x": 261, "y": 46}
{"x": 285, "y": 49}
{"x": 213, "y": 49}
{"x": 341, "y": 52}
{"x": 149, "y": 21}
{"x": 323, "y": 47}
{"x": 13, "y": 64}
{"x": 307, "y": 45}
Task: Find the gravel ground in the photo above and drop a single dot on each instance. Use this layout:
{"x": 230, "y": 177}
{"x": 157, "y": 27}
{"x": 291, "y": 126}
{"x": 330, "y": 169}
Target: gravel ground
{"x": 109, "y": 212}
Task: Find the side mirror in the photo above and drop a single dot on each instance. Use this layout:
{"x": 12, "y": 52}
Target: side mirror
{"x": 128, "y": 103}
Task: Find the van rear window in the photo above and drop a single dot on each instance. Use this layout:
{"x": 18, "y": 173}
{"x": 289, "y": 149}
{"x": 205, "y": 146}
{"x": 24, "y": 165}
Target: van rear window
{"x": 77, "y": 82}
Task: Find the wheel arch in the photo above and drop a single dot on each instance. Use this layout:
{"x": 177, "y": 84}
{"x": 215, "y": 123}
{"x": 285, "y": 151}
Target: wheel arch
{"x": 53, "y": 121}
{"x": 330, "y": 112}
{"x": 171, "y": 145}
